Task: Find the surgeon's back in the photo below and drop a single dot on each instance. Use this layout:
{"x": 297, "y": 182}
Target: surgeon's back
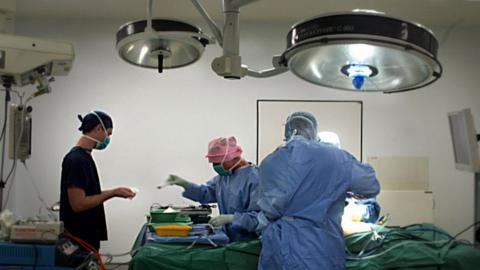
{"x": 303, "y": 186}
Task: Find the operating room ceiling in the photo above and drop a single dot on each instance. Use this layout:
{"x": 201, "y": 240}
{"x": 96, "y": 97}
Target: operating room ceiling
{"x": 427, "y": 12}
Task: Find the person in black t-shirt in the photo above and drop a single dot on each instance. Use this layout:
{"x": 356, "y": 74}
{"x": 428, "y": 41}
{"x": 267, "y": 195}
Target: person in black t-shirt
{"x": 81, "y": 197}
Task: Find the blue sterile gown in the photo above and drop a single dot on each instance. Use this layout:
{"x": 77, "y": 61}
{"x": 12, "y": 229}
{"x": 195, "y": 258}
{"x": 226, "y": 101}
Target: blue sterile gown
{"x": 302, "y": 189}
{"x": 236, "y": 194}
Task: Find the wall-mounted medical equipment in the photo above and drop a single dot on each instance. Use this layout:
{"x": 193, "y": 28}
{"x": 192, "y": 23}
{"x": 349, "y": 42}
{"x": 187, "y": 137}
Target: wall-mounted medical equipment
{"x": 36, "y": 232}
{"x": 464, "y": 140}
{"x": 466, "y": 154}
{"x": 360, "y": 50}
{"x": 20, "y": 132}
{"x": 30, "y": 60}
{"x": 24, "y": 61}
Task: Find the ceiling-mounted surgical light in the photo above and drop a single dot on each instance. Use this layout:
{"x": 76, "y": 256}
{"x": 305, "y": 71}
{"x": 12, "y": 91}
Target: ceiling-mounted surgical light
{"x": 361, "y": 51}
{"x": 160, "y": 43}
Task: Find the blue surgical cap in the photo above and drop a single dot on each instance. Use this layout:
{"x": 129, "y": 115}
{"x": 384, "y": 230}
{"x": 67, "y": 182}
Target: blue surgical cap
{"x": 307, "y": 115}
{"x": 301, "y": 123}
{"x": 90, "y": 121}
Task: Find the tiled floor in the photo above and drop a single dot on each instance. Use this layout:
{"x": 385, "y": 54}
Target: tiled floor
{"x": 116, "y": 267}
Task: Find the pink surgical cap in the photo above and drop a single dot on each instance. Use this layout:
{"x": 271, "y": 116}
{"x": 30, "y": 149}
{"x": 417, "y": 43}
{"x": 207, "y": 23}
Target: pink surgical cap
{"x": 223, "y": 149}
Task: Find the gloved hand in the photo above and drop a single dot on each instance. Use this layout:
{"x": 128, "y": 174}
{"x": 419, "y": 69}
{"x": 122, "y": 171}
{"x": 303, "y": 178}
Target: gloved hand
{"x": 177, "y": 180}
{"x": 221, "y": 220}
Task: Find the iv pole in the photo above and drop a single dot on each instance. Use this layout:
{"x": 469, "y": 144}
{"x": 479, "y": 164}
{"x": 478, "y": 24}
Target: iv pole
{"x": 7, "y": 85}
{"x": 476, "y": 229}
{"x": 477, "y": 208}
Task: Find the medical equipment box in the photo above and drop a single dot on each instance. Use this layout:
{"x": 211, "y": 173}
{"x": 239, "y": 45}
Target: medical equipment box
{"x": 38, "y": 232}
{"x": 26, "y": 254}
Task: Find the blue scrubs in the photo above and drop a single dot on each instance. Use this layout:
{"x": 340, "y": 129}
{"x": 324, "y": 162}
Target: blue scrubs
{"x": 302, "y": 189}
{"x": 236, "y": 194}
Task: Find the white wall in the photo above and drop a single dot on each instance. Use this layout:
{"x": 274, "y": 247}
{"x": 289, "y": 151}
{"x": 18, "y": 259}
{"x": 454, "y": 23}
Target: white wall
{"x": 162, "y": 123}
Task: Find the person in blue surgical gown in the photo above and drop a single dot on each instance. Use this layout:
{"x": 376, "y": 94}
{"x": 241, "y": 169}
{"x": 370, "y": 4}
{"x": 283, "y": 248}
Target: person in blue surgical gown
{"x": 303, "y": 186}
{"x": 235, "y": 189}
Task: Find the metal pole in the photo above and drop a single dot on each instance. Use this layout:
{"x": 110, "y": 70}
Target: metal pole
{"x": 7, "y": 86}
{"x": 149, "y": 14}
{"x": 477, "y": 209}
{"x": 231, "y": 30}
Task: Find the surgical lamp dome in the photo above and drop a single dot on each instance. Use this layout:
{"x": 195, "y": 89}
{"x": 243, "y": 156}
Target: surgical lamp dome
{"x": 167, "y": 44}
{"x": 362, "y": 51}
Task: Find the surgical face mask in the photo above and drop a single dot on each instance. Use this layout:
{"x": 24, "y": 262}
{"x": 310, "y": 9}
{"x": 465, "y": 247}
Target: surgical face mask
{"x": 222, "y": 171}
{"x": 100, "y": 145}
{"x": 103, "y": 144}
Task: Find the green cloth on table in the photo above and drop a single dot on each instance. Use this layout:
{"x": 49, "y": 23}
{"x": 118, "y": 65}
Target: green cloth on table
{"x": 235, "y": 256}
{"x": 413, "y": 253}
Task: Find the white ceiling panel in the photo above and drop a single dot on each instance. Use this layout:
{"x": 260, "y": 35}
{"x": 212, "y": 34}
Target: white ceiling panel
{"x": 427, "y": 12}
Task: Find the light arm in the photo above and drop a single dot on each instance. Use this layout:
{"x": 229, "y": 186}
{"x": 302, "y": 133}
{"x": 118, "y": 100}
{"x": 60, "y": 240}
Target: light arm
{"x": 211, "y": 23}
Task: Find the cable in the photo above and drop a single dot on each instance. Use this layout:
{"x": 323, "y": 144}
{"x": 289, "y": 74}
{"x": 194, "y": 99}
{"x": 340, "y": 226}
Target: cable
{"x": 87, "y": 247}
{"x": 449, "y": 30}
{"x": 385, "y": 241}
{"x": 16, "y": 143}
{"x": 8, "y": 90}
{"x": 117, "y": 255}
{"x": 4, "y": 126}
{"x": 32, "y": 96}
{"x": 8, "y": 196}
{"x": 393, "y": 247}
{"x": 20, "y": 96}
{"x": 375, "y": 236}
{"x": 49, "y": 211}
{"x": 466, "y": 229}
{"x": 412, "y": 239}
{"x": 91, "y": 256}
{"x": 109, "y": 257}
{"x": 13, "y": 170}
{"x": 2, "y": 184}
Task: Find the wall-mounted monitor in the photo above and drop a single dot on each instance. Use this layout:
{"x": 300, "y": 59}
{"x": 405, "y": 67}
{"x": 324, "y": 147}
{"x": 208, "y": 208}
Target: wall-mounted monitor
{"x": 464, "y": 140}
